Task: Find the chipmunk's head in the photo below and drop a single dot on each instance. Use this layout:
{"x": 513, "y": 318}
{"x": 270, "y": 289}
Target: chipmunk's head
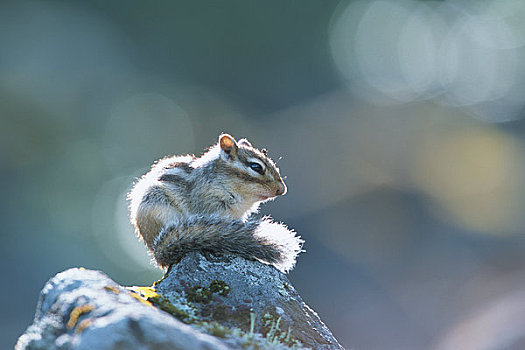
{"x": 258, "y": 176}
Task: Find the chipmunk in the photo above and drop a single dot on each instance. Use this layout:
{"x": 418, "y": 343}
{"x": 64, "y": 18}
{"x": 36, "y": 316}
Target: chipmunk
{"x": 185, "y": 203}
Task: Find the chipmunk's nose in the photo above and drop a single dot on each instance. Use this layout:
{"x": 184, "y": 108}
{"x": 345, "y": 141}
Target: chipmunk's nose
{"x": 281, "y": 190}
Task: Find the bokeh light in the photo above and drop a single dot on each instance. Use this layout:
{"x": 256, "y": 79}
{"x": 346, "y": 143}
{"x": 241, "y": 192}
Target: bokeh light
{"x": 468, "y": 53}
{"x": 476, "y": 174}
{"x": 130, "y": 131}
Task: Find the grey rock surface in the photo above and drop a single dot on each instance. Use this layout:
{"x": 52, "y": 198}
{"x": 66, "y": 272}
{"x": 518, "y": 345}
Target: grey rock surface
{"x": 252, "y": 287}
{"x": 202, "y": 303}
{"x": 83, "y": 309}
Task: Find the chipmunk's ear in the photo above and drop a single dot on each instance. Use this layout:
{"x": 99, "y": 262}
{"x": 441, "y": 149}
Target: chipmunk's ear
{"x": 228, "y": 145}
{"x": 244, "y": 142}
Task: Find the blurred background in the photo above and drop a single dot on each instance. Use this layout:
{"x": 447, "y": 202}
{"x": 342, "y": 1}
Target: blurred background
{"x": 400, "y": 125}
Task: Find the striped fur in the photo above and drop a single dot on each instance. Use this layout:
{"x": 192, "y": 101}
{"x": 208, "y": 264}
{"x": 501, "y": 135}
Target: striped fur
{"x": 204, "y": 204}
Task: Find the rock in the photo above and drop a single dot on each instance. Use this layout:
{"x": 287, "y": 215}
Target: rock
{"x": 82, "y": 309}
{"x": 230, "y": 289}
{"x": 202, "y": 303}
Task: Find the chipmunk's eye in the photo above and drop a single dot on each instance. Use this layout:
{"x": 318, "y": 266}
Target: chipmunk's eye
{"x": 256, "y": 167}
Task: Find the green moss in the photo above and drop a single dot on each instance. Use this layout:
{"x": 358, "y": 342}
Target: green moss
{"x": 217, "y": 330}
{"x": 199, "y": 294}
{"x": 272, "y": 332}
{"x": 150, "y": 295}
{"x": 165, "y": 305}
{"x": 204, "y": 295}
{"x": 219, "y": 287}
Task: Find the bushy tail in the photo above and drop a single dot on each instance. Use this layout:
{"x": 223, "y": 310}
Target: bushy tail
{"x": 264, "y": 240}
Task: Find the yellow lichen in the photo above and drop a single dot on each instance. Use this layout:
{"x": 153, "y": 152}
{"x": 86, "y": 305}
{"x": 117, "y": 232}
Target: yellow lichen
{"x": 145, "y": 292}
{"x": 150, "y": 297}
{"x": 112, "y": 289}
{"x": 76, "y": 313}
{"x": 162, "y": 279}
{"x": 83, "y": 325}
{"x": 140, "y": 298}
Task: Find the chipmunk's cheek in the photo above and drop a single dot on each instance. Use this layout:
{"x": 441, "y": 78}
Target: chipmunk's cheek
{"x": 265, "y": 195}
